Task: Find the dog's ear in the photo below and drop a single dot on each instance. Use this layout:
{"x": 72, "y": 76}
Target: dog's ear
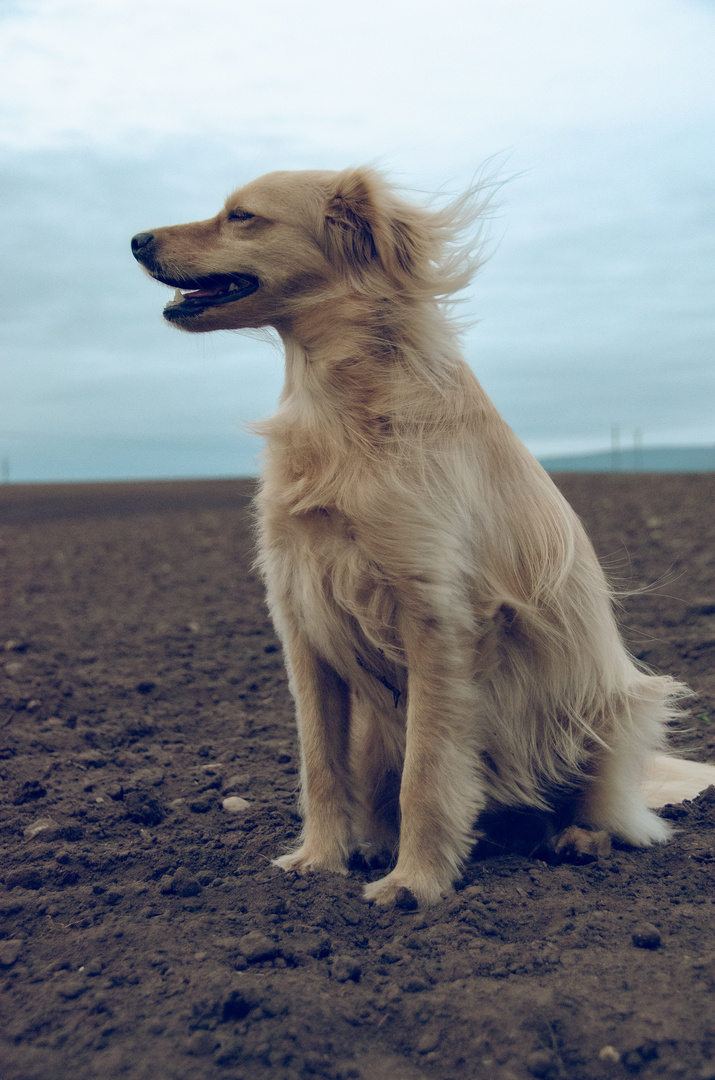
{"x": 364, "y": 229}
{"x": 350, "y": 220}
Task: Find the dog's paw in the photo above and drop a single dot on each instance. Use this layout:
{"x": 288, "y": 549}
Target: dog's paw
{"x": 576, "y": 845}
{"x": 306, "y": 859}
{"x": 394, "y": 887}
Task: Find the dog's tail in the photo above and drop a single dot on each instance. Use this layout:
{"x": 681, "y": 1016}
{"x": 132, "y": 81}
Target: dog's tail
{"x": 671, "y": 780}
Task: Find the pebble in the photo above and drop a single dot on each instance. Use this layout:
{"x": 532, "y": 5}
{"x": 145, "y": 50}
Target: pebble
{"x": 234, "y": 804}
{"x": 9, "y": 952}
{"x": 39, "y": 826}
{"x": 646, "y": 936}
{"x": 609, "y": 1053}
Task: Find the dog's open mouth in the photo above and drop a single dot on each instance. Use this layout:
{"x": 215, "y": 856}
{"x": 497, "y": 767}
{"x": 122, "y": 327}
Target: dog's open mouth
{"x": 193, "y": 297}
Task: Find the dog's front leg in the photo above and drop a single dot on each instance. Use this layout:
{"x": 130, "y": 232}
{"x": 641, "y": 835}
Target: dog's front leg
{"x": 323, "y": 713}
{"x": 441, "y": 792}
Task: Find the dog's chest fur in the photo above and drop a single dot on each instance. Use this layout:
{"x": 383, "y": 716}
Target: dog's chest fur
{"x": 319, "y": 570}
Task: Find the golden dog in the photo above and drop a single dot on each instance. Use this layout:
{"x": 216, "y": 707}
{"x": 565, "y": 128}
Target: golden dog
{"x": 448, "y": 630}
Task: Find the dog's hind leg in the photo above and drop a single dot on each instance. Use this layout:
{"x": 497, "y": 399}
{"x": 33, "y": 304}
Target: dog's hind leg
{"x": 323, "y": 711}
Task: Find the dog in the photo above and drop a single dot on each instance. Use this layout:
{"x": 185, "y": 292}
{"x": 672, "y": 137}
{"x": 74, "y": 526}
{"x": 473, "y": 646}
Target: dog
{"x": 449, "y": 633}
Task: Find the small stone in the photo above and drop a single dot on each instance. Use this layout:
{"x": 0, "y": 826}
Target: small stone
{"x": 235, "y": 804}
{"x": 609, "y": 1053}
{"x": 646, "y": 936}
{"x": 256, "y": 946}
{"x": 9, "y": 952}
{"x": 93, "y": 968}
{"x": 39, "y": 826}
{"x": 185, "y": 883}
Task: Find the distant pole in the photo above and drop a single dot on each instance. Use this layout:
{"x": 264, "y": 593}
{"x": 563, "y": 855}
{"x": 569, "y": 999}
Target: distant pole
{"x": 638, "y": 450}
{"x": 615, "y": 448}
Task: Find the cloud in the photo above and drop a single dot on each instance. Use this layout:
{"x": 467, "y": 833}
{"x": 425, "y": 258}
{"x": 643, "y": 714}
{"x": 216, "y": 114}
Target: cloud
{"x": 367, "y": 77}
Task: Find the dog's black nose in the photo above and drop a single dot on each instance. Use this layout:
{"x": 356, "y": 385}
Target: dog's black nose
{"x": 141, "y": 240}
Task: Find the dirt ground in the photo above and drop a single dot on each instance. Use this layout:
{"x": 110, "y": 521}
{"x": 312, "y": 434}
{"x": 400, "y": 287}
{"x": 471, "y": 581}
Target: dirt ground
{"x": 144, "y": 932}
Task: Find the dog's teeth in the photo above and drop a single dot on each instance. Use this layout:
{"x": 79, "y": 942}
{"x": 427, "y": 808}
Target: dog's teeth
{"x": 178, "y": 296}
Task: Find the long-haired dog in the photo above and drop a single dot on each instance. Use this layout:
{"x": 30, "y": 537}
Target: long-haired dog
{"x": 448, "y": 630}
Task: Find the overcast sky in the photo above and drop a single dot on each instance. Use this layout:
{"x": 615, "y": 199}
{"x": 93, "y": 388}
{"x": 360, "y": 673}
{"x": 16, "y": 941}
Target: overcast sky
{"x": 596, "y": 308}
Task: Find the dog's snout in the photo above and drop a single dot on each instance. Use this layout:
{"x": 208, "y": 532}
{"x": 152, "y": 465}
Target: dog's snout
{"x": 140, "y": 242}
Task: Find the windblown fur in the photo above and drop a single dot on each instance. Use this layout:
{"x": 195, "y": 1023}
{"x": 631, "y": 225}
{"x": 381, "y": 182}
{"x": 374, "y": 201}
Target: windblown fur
{"x": 448, "y": 630}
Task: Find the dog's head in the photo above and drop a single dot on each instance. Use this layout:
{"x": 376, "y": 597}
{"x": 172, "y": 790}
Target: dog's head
{"x": 289, "y": 238}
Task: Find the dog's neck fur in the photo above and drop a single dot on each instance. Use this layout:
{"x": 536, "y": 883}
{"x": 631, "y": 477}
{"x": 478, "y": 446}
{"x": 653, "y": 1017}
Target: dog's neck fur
{"x": 341, "y": 394}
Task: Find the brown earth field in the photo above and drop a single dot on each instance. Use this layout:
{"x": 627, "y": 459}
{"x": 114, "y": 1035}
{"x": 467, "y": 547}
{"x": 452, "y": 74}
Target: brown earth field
{"x": 144, "y": 932}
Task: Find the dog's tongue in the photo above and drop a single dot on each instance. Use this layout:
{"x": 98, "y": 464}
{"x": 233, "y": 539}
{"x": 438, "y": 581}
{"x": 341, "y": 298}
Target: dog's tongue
{"x": 196, "y": 293}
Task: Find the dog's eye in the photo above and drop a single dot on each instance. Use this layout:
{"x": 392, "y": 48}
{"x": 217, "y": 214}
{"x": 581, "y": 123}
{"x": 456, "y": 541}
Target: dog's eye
{"x": 240, "y": 215}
